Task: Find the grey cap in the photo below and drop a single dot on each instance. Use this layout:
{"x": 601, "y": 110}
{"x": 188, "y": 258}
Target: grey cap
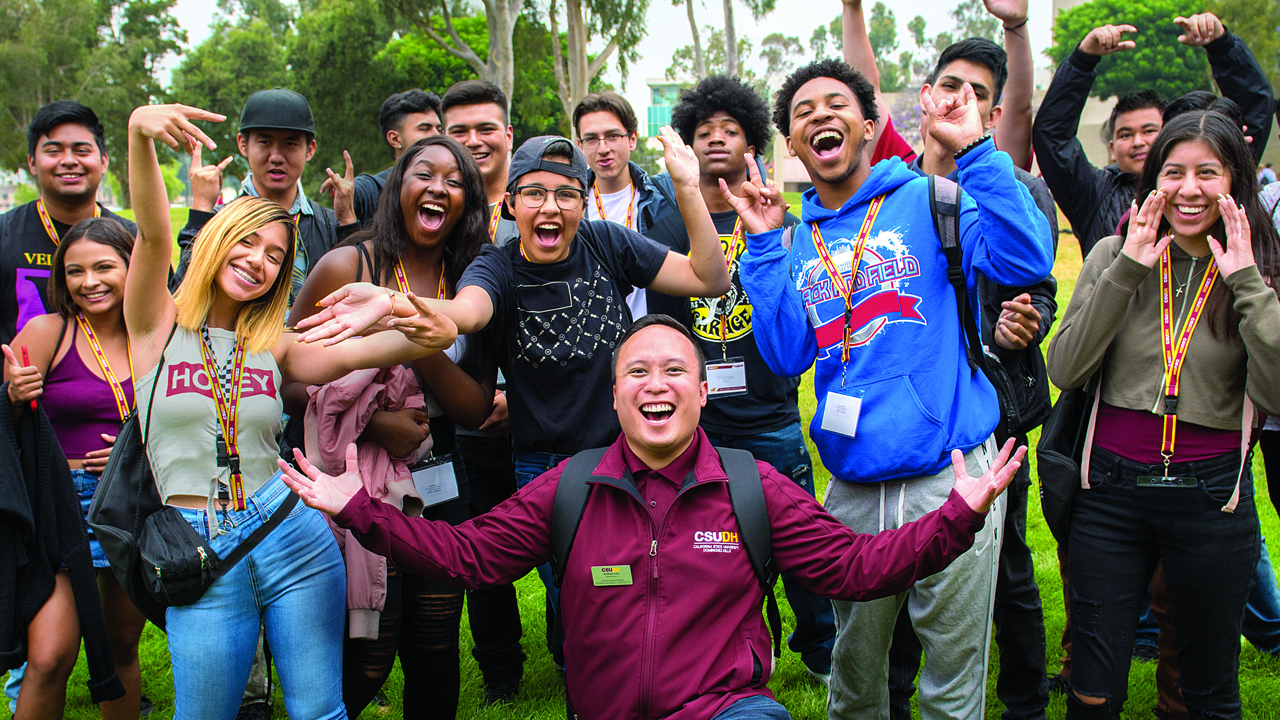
{"x": 529, "y": 158}
{"x": 277, "y": 109}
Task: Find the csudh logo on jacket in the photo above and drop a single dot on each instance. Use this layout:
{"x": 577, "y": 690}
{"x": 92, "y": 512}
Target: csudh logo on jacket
{"x": 716, "y": 541}
{"x": 185, "y": 377}
{"x": 878, "y": 298}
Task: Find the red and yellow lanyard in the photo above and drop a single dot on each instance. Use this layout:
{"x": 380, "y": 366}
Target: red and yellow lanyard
{"x": 47, "y": 221}
{"x": 403, "y": 282}
{"x": 117, "y": 390}
{"x": 493, "y": 221}
{"x": 630, "y": 206}
{"x": 846, "y": 290}
{"x": 228, "y": 410}
{"x": 728, "y": 261}
{"x": 1176, "y": 352}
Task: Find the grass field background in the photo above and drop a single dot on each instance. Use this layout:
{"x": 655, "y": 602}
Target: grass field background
{"x": 541, "y": 697}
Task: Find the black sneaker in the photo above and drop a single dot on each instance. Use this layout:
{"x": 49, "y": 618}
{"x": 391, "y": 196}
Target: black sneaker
{"x": 504, "y": 694}
{"x": 1145, "y": 652}
{"x": 1057, "y": 685}
{"x": 254, "y": 711}
{"x": 145, "y": 706}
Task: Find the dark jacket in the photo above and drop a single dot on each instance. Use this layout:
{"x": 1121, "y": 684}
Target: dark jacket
{"x": 656, "y": 195}
{"x": 368, "y": 188}
{"x": 319, "y": 233}
{"x": 1093, "y": 199}
{"x": 42, "y": 530}
{"x": 1026, "y": 366}
{"x": 686, "y": 638}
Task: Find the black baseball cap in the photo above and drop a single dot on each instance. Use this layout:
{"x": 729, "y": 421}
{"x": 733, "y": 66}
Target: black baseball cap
{"x": 277, "y": 109}
{"x": 530, "y": 158}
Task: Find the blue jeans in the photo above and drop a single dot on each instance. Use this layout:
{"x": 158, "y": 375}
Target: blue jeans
{"x": 1262, "y": 612}
{"x": 86, "y": 484}
{"x": 528, "y": 467}
{"x": 815, "y": 631}
{"x": 293, "y": 583}
{"x": 756, "y": 707}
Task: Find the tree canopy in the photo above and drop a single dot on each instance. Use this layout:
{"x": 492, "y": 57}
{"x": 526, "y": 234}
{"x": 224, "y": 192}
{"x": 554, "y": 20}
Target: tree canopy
{"x": 1159, "y": 62}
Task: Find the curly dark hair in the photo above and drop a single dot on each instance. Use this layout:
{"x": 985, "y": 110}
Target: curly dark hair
{"x": 722, "y": 93}
{"x": 836, "y": 70}
{"x": 387, "y": 233}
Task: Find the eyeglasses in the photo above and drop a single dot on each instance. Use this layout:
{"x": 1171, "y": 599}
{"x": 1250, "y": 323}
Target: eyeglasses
{"x": 591, "y": 141}
{"x": 534, "y": 197}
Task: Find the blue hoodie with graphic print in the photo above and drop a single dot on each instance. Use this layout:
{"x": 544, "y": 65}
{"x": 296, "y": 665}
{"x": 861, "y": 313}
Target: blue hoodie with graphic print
{"x": 907, "y": 363}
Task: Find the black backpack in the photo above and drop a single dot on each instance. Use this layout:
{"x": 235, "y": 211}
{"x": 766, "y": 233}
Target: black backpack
{"x": 745, "y": 492}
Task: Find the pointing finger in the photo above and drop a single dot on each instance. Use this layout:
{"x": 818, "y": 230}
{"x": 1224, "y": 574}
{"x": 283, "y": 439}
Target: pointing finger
{"x": 350, "y": 168}
{"x": 226, "y": 161}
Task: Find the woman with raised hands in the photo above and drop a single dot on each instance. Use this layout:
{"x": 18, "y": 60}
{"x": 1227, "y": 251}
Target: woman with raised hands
{"x": 210, "y": 361}
{"x": 1181, "y": 319}
{"x": 430, "y": 223}
{"x": 76, "y": 360}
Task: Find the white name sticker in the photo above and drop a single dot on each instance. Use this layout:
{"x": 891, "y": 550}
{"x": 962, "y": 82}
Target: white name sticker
{"x": 841, "y": 413}
{"x": 435, "y": 481}
{"x": 727, "y": 377}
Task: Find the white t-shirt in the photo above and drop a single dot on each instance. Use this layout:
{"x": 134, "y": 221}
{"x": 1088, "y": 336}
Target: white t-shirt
{"x": 616, "y": 206}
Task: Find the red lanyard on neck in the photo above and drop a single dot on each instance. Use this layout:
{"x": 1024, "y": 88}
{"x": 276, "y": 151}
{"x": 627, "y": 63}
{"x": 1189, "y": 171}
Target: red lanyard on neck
{"x": 47, "y": 221}
{"x": 493, "y": 221}
{"x": 228, "y": 409}
{"x": 846, "y": 290}
{"x": 600, "y": 205}
{"x": 117, "y": 390}
{"x": 728, "y": 261}
{"x": 403, "y": 282}
{"x": 1176, "y": 352}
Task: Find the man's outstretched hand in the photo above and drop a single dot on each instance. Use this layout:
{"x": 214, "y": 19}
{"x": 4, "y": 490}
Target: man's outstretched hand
{"x": 325, "y": 493}
{"x": 980, "y": 492}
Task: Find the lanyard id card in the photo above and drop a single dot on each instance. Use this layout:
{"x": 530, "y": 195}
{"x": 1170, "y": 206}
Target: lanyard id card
{"x": 841, "y": 413}
{"x": 611, "y": 576}
{"x": 434, "y": 480}
{"x": 727, "y": 377}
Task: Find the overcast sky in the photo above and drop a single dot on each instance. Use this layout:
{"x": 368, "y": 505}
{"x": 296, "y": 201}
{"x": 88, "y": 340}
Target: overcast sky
{"x": 669, "y": 30}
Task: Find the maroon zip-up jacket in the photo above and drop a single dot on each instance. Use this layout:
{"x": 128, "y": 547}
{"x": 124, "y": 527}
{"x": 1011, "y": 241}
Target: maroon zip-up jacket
{"x": 687, "y": 637}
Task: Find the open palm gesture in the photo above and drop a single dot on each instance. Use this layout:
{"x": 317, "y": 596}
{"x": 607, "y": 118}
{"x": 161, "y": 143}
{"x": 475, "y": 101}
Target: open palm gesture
{"x": 321, "y": 491}
{"x": 1238, "y": 254}
{"x": 980, "y": 492}
{"x": 1143, "y": 242}
{"x": 348, "y": 311}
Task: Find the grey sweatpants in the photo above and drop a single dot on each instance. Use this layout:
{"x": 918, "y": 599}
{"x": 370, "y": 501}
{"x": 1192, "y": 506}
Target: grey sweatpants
{"x": 951, "y": 610}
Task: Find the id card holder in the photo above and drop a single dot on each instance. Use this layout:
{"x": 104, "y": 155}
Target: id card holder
{"x": 840, "y": 415}
{"x": 727, "y": 377}
{"x": 434, "y": 480}
{"x": 1166, "y": 481}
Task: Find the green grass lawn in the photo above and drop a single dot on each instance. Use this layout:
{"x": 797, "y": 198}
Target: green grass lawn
{"x": 542, "y": 698}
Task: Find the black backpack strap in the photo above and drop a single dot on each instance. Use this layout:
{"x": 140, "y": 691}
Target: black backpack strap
{"x": 747, "y": 495}
{"x": 944, "y": 204}
{"x": 146, "y": 427}
{"x": 566, "y": 509}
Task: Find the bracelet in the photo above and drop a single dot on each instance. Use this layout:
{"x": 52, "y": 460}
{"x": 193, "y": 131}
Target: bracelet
{"x": 391, "y": 294}
{"x": 962, "y": 151}
{"x": 1015, "y": 27}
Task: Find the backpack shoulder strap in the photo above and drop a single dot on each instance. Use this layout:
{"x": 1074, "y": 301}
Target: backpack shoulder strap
{"x": 146, "y": 427}
{"x": 788, "y": 237}
{"x": 747, "y": 495}
{"x": 570, "y": 501}
{"x": 944, "y": 205}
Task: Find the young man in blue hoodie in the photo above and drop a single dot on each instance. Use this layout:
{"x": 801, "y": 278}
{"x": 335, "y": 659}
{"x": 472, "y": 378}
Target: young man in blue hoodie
{"x": 864, "y": 293}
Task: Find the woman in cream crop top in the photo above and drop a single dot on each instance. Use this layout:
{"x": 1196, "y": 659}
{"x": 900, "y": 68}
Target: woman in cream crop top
{"x": 226, "y": 322}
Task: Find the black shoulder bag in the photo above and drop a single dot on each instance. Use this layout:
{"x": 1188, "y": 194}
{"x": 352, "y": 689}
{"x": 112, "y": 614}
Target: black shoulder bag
{"x": 155, "y": 554}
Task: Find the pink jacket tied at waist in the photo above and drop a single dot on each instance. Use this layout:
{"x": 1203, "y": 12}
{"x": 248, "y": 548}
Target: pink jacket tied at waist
{"x": 337, "y": 414}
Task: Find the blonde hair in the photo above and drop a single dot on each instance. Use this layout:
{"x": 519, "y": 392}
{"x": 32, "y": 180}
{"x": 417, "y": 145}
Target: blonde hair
{"x": 260, "y": 320}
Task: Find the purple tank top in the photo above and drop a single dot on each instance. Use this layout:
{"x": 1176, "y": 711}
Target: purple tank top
{"x": 80, "y": 404}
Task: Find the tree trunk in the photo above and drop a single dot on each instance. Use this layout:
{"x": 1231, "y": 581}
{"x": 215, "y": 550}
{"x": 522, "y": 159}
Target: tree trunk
{"x": 502, "y": 25}
{"x": 699, "y": 63}
{"x": 557, "y": 58}
{"x": 730, "y": 41}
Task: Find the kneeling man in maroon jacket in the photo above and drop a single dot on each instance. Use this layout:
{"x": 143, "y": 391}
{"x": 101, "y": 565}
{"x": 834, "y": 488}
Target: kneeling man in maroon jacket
{"x": 674, "y": 629}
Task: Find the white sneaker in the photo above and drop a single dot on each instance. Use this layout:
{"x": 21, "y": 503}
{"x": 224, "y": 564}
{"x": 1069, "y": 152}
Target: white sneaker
{"x": 825, "y": 679}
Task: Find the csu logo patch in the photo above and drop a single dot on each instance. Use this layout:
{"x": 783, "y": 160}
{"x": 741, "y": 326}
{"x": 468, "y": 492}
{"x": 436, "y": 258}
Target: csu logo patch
{"x": 716, "y": 541}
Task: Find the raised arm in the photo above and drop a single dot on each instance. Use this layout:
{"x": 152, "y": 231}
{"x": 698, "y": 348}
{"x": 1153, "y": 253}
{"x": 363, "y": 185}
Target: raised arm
{"x": 148, "y": 307}
{"x": 860, "y": 56}
{"x": 1237, "y": 73}
{"x": 1013, "y": 132}
{"x": 703, "y": 273}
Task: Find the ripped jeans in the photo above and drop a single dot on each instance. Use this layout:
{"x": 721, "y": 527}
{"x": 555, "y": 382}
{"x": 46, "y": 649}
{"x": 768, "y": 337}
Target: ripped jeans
{"x": 1118, "y": 533}
{"x": 785, "y": 450}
